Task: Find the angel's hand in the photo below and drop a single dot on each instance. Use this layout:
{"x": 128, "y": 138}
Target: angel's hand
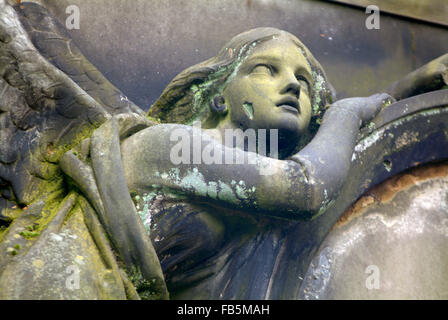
{"x": 365, "y": 108}
{"x": 432, "y": 76}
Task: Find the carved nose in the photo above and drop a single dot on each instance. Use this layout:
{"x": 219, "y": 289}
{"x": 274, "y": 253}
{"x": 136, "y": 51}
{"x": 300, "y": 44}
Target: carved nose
{"x": 293, "y": 88}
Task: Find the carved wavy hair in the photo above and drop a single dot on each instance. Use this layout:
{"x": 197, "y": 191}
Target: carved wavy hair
{"x": 187, "y": 97}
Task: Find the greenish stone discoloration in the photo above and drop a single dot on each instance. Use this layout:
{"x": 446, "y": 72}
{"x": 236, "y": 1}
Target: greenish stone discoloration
{"x": 188, "y": 97}
{"x": 243, "y": 192}
{"x": 43, "y": 261}
{"x": 249, "y": 108}
{"x": 204, "y": 92}
{"x": 367, "y": 142}
{"x": 387, "y": 165}
{"x": 147, "y": 289}
{"x": 144, "y": 204}
{"x": 195, "y": 183}
{"x": 194, "y": 180}
{"x": 226, "y": 193}
{"x": 318, "y": 86}
{"x": 212, "y": 191}
{"x": 42, "y": 239}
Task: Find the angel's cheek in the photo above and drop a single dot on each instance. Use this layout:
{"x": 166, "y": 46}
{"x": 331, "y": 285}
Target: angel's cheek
{"x": 305, "y": 112}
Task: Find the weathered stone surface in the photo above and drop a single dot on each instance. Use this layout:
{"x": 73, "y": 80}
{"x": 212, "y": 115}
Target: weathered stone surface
{"x": 434, "y": 11}
{"x": 45, "y": 241}
{"x": 398, "y": 233}
{"x": 146, "y": 43}
{"x": 251, "y": 257}
{"x": 50, "y": 267}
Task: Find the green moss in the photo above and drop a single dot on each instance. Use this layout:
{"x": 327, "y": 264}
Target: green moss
{"x": 44, "y": 187}
{"x": 29, "y": 234}
{"x": 54, "y": 153}
{"x": 52, "y": 205}
{"x": 76, "y": 207}
{"x": 2, "y": 231}
{"x": 48, "y": 170}
{"x": 387, "y": 165}
{"x": 32, "y": 227}
{"x": 318, "y": 86}
{"x": 195, "y": 182}
{"x": 243, "y": 192}
{"x": 146, "y": 289}
{"x": 226, "y": 193}
{"x": 386, "y": 103}
{"x": 204, "y": 92}
{"x": 152, "y": 119}
{"x": 249, "y": 108}
{"x": 324, "y": 207}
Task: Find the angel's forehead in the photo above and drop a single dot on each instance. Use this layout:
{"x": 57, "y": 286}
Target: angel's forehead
{"x": 282, "y": 49}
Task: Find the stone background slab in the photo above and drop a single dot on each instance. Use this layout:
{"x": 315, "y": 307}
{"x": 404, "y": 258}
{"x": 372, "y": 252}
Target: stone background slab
{"x": 141, "y": 45}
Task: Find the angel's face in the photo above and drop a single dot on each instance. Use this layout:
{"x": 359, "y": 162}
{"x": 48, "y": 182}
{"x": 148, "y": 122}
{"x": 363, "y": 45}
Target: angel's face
{"x": 271, "y": 89}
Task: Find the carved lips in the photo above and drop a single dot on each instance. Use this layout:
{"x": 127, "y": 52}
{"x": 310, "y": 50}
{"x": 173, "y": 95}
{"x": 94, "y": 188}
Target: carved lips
{"x": 290, "y": 104}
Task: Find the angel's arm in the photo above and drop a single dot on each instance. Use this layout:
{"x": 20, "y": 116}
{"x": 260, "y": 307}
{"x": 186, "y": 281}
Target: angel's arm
{"x": 295, "y": 189}
{"x": 431, "y": 76}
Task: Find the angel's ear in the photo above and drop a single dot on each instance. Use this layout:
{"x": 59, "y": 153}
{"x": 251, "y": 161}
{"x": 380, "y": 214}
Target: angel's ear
{"x": 218, "y": 106}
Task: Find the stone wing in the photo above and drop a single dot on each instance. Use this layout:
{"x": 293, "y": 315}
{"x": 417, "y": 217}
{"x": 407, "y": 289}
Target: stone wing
{"x": 51, "y": 97}
{"x": 52, "y": 101}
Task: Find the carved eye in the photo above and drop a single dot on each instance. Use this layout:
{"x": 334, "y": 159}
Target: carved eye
{"x": 263, "y": 69}
{"x": 304, "y": 84}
